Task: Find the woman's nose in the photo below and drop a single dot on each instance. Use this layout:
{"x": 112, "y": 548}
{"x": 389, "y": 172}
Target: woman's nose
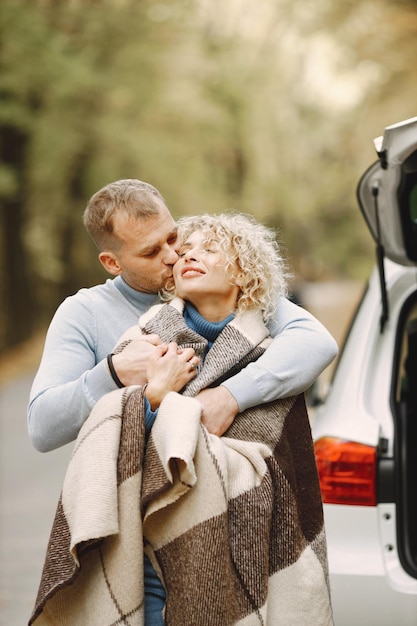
{"x": 190, "y": 255}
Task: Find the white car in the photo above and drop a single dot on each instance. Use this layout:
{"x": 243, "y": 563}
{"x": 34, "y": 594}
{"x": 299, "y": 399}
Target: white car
{"x": 365, "y": 431}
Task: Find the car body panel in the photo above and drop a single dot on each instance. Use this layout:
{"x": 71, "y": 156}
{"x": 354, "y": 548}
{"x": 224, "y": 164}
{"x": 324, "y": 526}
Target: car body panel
{"x": 368, "y": 585}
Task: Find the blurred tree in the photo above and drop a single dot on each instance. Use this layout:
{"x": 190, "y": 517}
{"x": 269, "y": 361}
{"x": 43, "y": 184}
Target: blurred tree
{"x": 305, "y": 74}
{"x": 71, "y": 74}
{"x": 16, "y": 293}
{"x": 265, "y": 107}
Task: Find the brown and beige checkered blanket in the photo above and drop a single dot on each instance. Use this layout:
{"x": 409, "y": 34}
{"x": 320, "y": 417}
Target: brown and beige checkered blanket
{"x": 234, "y": 524}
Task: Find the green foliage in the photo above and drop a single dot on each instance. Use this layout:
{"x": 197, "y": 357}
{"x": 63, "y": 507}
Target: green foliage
{"x": 265, "y": 107}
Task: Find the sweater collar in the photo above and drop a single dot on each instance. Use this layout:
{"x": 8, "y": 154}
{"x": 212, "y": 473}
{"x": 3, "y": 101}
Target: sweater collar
{"x": 208, "y": 330}
{"x": 135, "y": 297}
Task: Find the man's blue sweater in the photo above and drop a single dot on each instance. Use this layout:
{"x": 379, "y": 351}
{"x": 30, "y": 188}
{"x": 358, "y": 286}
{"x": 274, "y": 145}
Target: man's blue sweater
{"x": 73, "y": 373}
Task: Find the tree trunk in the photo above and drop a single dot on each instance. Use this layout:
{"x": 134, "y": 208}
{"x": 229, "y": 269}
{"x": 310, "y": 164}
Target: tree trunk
{"x": 17, "y": 297}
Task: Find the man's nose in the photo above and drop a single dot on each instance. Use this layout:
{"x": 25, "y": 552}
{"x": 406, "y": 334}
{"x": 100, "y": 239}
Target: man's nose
{"x": 171, "y": 255}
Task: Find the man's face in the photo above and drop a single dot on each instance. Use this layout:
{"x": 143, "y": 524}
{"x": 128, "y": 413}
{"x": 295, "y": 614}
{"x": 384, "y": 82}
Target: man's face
{"x": 147, "y": 252}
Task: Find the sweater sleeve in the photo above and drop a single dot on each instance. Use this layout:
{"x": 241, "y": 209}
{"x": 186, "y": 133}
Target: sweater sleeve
{"x": 301, "y": 349}
{"x": 69, "y": 381}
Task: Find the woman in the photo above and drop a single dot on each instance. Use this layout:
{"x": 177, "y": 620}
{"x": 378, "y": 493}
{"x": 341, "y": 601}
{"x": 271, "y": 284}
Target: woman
{"x": 232, "y": 525}
{"x": 227, "y": 264}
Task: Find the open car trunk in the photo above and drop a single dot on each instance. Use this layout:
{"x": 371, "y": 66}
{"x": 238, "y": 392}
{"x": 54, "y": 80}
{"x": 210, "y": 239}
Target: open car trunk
{"x": 387, "y": 195}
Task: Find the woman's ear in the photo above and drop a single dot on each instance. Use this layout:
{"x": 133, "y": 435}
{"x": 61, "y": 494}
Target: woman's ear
{"x": 110, "y": 263}
{"x": 240, "y": 279}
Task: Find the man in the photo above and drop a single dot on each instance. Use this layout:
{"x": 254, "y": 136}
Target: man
{"x": 136, "y": 237}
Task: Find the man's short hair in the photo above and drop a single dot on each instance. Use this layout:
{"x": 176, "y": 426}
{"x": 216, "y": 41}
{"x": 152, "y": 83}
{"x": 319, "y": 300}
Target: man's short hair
{"x": 133, "y": 197}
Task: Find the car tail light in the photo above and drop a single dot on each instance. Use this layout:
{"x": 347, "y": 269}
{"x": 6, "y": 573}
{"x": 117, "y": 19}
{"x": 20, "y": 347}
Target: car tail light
{"x": 347, "y": 471}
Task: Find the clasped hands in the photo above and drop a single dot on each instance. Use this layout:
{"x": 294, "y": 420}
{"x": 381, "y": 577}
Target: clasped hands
{"x": 165, "y": 367}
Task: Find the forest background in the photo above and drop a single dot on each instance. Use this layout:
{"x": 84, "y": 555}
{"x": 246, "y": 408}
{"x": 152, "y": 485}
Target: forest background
{"x": 265, "y": 106}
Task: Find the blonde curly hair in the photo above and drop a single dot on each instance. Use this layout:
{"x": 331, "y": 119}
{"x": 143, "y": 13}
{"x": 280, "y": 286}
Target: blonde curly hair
{"x": 253, "y": 248}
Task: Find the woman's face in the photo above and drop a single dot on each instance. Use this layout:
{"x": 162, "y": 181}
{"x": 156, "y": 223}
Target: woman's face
{"x": 202, "y": 276}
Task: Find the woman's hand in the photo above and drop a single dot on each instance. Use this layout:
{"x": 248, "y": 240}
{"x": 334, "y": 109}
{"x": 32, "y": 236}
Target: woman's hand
{"x": 169, "y": 369}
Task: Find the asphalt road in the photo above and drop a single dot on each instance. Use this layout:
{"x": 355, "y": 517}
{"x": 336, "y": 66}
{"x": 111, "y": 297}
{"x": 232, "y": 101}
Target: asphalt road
{"x": 30, "y": 484}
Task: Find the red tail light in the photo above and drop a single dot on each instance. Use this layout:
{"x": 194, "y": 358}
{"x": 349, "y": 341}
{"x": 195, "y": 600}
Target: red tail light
{"x": 347, "y": 471}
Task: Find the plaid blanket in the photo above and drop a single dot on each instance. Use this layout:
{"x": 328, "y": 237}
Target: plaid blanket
{"x": 234, "y": 525}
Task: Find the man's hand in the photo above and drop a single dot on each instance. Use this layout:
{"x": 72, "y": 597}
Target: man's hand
{"x": 131, "y": 363}
{"x": 219, "y": 409}
{"x": 169, "y": 369}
